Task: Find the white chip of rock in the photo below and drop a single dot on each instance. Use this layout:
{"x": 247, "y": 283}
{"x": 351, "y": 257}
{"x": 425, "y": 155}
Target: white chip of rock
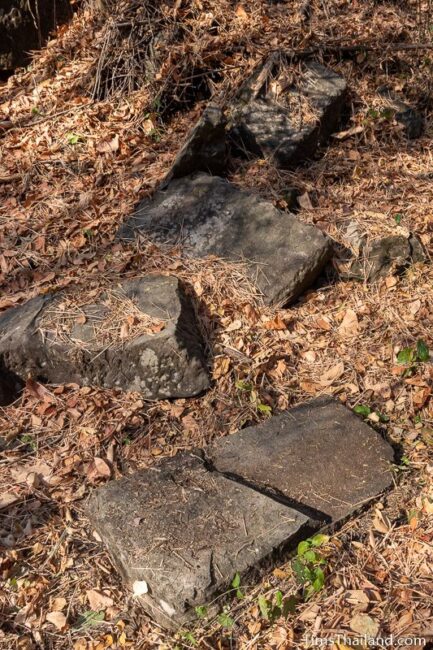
{"x": 140, "y": 588}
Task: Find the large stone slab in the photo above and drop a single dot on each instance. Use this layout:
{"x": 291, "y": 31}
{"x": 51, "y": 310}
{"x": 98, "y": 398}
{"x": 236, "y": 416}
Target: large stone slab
{"x": 210, "y": 216}
{"x": 286, "y": 120}
{"x": 186, "y": 532}
{"x": 319, "y": 456}
{"x": 139, "y": 336}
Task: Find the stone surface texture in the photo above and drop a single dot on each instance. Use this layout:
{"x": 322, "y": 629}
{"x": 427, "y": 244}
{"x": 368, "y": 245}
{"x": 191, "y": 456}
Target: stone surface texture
{"x": 210, "y": 216}
{"x": 186, "y": 532}
{"x": 265, "y": 127}
{"x": 205, "y": 148}
{"x": 318, "y": 456}
{"x": 411, "y": 120}
{"x": 388, "y": 255}
{"x": 169, "y": 363}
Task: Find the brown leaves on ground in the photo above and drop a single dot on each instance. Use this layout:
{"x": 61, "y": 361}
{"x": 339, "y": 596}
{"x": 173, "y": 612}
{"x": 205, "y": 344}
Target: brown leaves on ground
{"x": 76, "y": 168}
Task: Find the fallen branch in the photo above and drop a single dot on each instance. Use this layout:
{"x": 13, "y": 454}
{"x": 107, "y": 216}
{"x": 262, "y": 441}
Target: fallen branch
{"x": 347, "y": 49}
{"x": 10, "y": 179}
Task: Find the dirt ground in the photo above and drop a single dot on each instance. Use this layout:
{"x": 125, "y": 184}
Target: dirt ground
{"x": 81, "y": 141}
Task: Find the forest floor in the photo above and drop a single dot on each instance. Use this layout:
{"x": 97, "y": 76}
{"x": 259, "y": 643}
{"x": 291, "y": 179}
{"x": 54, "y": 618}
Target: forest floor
{"x": 72, "y": 167}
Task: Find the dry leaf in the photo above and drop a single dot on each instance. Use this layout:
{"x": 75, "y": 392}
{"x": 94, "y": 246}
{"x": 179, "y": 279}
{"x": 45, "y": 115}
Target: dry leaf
{"x": 323, "y": 324}
{"x": 364, "y": 625}
{"x": 305, "y": 201}
{"x": 354, "y": 130}
{"x": 108, "y": 146}
{"x": 332, "y": 374}
{"x": 234, "y": 326}
{"x": 276, "y": 324}
{"x": 58, "y": 604}
{"x": 241, "y": 13}
{"x": 58, "y": 619}
{"x": 349, "y": 325}
{"x": 381, "y": 522}
{"x": 221, "y": 367}
{"x": 8, "y": 499}
{"x": 98, "y": 468}
{"x": 98, "y": 600}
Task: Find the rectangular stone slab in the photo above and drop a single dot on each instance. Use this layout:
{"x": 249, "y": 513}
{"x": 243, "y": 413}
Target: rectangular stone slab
{"x": 210, "y": 216}
{"x": 319, "y": 456}
{"x": 167, "y": 363}
{"x": 265, "y": 127}
{"x": 186, "y": 532}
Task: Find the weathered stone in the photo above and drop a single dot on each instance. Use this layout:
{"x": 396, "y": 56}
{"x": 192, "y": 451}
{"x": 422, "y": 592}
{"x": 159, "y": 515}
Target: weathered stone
{"x": 166, "y": 363}
{"x": 205, "y": 149}
{"x": 408, "y": 117}
{"x": 10, "y": 386}
{"x": 186, "y": 532}
{"x": 385, "y": 256}
{"x": 267, "y": 125}
{"x": 210, "y": 216}
{"x": 319, "y": 456}
{"x": 25, "y": 26}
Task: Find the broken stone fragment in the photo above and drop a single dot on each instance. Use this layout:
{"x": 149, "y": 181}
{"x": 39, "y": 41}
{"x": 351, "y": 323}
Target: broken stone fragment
{"x": 210, "y": 216}
{"x": 408, "y": 117}
{"x": 287, "y": 121}
{"x": 385, "y": 256}
{"x": 179, "y": 533}
{"x": 205, "y": 148}
{"x": 319, "y": 457}
{"x": 140, "y": 336}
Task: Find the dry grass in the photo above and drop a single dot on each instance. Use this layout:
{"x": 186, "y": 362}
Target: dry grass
{"x": 113, "y": 317}
{"x": 57, "y": 227}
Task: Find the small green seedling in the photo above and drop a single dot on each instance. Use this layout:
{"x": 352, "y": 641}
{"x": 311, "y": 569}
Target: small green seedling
{"x": 364, "y": 411}
{"x": 74, "y": 138}
{"x": 307, "y": 565}
{"x": 236, "y": 584}
{"x": 420, "y": 354}
{"x": 272, "y": 608}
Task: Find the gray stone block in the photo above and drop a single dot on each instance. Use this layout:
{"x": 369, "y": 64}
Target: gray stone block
{"x": 167, "y": 363}
{"x": 205, "y": 148}
{"x": 264, "y": 126}
{"x": 320, "y": 457}
{"x": 186, "y": 532}
{"x": 210, "y": 216}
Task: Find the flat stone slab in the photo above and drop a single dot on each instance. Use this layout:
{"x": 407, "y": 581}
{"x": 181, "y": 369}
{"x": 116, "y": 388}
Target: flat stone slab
{"x": 287, "y": 120}
{"x": 319, "y": 456}
{"x": 140, "y": 336}
{"x": 185, "y": 532}
{"x": 210, "y": 216}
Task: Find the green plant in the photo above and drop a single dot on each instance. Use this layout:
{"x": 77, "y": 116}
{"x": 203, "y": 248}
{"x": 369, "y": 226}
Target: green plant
{"x": 411, "y": 356}
{"x": 307, "y": 565}
{"x": 74, "y": 138}
{"x": 272, "y": 608}
{"x": 225, "y": 620}
{"x": 364, "y": 411}
{"x": 88, "y": 618}
{"x": 248, "y": 387}
{"x": 236, "y": 584}
{"x": 28, "y": 440}
{"x": 419, "y": 354}
{"x": 201, "y": 611}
